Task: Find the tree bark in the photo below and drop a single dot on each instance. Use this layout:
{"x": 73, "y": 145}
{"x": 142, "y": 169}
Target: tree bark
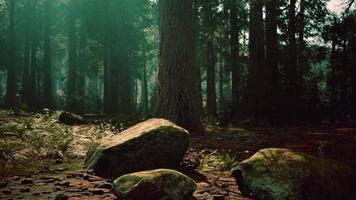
{"x": 177, "y": 98}
{"x": 234, "y": 53}
{"x": 47, "y": 61}
{"x": 11, "y": 85}
{"x": 72, "y": 62}
{"x": 272, "y": 58}
{"x": 256, "y": 78}
{"x": 292, "y": 61}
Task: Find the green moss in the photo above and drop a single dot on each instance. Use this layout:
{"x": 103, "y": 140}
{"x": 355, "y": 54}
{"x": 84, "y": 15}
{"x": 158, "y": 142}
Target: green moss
{"x": 168, "y": 183}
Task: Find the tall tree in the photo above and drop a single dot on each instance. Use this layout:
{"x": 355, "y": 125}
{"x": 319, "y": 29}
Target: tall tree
{"x": 234, "y": 54}
{"x": 83, "y": 55}
{"x": 256, "y": 79}
{"x": 33, "y": 80}
{"x": 210, "y": 59}
{"x": 72, "y": 63}
{"x": 11, "y": 86}
{"x": 47, "y": 53}
{"x": 291, "y": 71}
{"x": 272, "y": 57}
{"x": 177, "y": 98}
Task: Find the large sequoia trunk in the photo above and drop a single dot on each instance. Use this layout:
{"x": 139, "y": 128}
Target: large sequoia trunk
{"x": 177, "y": 98}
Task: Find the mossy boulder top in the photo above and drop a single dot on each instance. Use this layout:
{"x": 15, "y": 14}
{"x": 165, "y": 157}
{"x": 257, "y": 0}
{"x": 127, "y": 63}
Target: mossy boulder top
{"x": 159, "y": 184}
{"x": 280, "y": 174}
{"x": 153, "y": 144}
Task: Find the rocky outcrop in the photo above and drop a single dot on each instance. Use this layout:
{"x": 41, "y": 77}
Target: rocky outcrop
{"x": 153, "y": 144}
{"x": 280, "y": 174}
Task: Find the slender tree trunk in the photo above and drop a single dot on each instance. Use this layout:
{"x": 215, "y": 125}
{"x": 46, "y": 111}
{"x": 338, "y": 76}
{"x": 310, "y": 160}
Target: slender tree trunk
{"x": 72, "y": 63}
{"x": 221, "y": 81}
{"x": 83, "y": 58}
{"x": 145, "y": 90}
{"x": 272, "y": 58}
{"x": 292, "y": 62}
{"x": 234, "y": 56}
{"x": 177, "y": 98}
{"x": 332, "y": 82}
{"x": 47, "y": 61}
{"x": 211, "y": 92}
{"x": 107, "y": 90}
{"x": 210, "y": 61}
{"x": 301, "y": 49}
{"x": 33, "y": 76}
{"x": 26, "y": 63}
{"x": 11, "y": 85}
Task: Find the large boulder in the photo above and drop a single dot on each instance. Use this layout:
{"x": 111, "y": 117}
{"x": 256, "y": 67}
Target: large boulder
{"x": 153, "y": 144}
{"x": 343, "y": 151}
{"x": 280, "y": 174}
{"x": 159, "y": 184}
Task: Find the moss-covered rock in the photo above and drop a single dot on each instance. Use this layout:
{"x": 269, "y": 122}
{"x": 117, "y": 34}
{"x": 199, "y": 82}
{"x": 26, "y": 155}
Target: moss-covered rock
{"x": 285, "y": 174}
{"x": 153, "y": 144}
{"x": 159, "y": 184}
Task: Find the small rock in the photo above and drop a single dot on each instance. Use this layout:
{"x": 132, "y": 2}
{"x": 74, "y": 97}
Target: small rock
{"x": 36, "y": 194}
{"x": 6, "y": 192}
{"x": 58, "y": 161}
{"x": 70, "y": 118}
{"x": 25, "y": 190}
{"x": 61, "y": 196}
{"x": 57, "y": 189}
{"x": 16, "y": 178}
{"x": 63, "y": 183}
{"x": 106, "y": 186}
{"x": 86, "y": 177}
{"x": 27, "y": 181}
{"x": 97, "y": 192}
{"x": 3, "y": 184}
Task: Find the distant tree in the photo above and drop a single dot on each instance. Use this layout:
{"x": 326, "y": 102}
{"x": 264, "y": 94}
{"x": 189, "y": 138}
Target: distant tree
{"x": 210, "y": 58}
{"x": 48, "y": 100}
{"x": 235, "y": 53}
{"x": 11, "y": 86}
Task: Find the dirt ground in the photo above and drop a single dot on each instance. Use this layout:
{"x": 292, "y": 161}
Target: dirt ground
{"x": 66, "y": 178}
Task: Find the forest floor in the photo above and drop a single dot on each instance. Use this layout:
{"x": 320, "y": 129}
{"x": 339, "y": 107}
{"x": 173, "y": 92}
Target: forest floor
{"x": 43, "y": 159}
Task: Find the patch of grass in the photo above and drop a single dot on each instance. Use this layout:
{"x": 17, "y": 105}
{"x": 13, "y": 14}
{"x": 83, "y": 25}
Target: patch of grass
{"x": 215, "y": 160}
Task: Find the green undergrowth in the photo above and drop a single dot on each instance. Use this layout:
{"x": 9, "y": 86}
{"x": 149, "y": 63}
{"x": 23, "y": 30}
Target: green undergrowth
{"x": 216, "y": 161}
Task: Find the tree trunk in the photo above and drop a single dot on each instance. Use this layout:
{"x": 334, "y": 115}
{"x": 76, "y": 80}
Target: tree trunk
{"x": 256, "y": 78}
{"x": 83, "y": 58}
{"x": 332, "y": 81}
{"x": 177, "y": 98}
{"x": 11, "y": 85}
{"x": 272, "y": 58}
{"x": 198, "y": 70}
{"x": 292, "y": 62}
{"x": 210, "y": 61}
{"x": 26, "y": 63}
{"x": 221, "y": 81}
{"x": 34, "y": 100}
{"x": 72, "y": 63}
{"x": 47, "y": 61}
{"x": 145, "y": 90}
{"x": 234, "y": 53}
